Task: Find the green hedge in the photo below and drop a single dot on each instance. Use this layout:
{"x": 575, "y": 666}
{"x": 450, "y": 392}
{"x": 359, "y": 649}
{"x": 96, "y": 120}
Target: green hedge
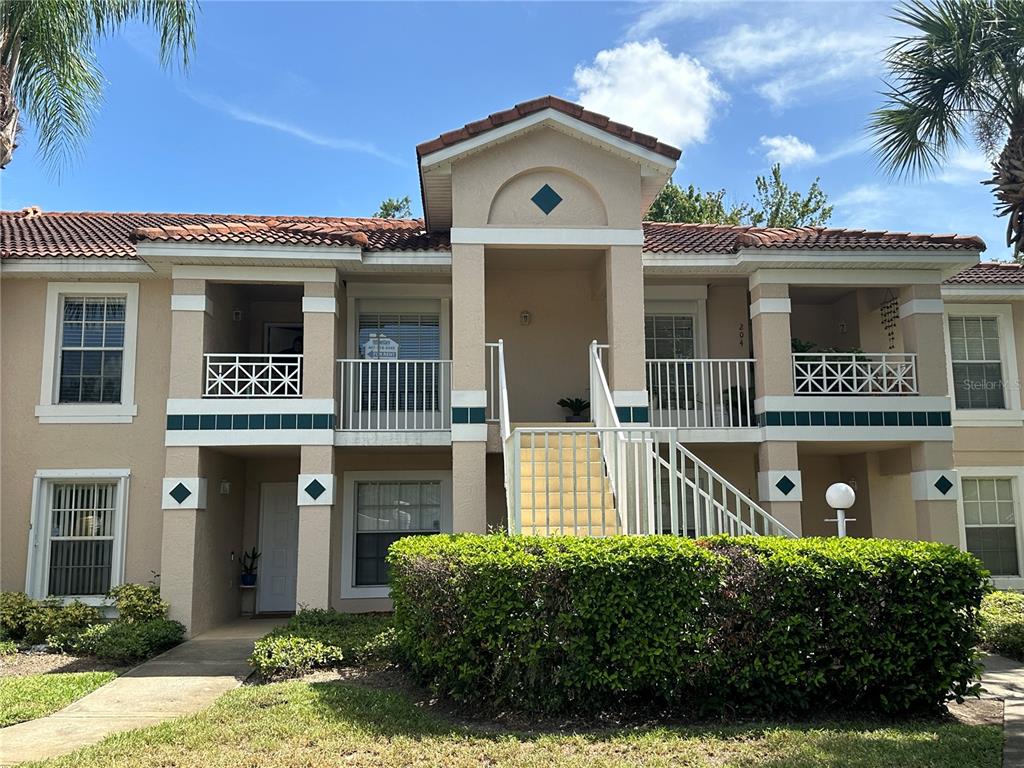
{"x": 1002, "y": 624}
{"x": 320, "y": 639}
{"x": 720, "y": 626}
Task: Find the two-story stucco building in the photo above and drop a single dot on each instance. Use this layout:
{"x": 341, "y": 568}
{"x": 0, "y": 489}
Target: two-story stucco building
{"x": 180, "y": 388}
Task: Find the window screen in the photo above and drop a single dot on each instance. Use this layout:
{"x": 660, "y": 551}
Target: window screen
{"x": 991, "y": 524}
{"x": 385, "y": 512}
{"x": 976, "y": 360}
{"x": 91, "y": 349}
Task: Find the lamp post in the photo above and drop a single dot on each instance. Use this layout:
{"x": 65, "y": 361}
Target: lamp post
{"x": 840, "y": 497}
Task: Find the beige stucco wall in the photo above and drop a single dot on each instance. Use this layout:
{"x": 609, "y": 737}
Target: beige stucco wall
{"x": 547, "y": 359}
{"x": 988, "y": 446}
{"x": 26, "y": 445}
{"x": 893, "y": 513}
{"x": 817, "y": 473}
{"x": 613, "y": 181}
{"x": 728, "y": 321}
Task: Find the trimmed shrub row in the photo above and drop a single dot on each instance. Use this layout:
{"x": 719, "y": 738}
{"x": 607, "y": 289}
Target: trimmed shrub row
{"x": 1002, "y": 624}
{"x": 719, "y": 626}
{"x": 140, "y": 631}
{"x": 321, "y": 639}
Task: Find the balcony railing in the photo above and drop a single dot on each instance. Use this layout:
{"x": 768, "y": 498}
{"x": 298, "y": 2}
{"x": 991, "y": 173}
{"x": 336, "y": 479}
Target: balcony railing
{"x": 701, "y": 394}
{"x": 854, "y": 373}
{"x": 253, "y": 375}
{"x": 396, "y": 395}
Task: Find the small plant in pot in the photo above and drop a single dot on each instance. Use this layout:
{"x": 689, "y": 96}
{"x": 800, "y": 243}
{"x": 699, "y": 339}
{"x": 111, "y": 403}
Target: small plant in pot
{"x": 576, "y": 406}
{"x": 248, "y": 578}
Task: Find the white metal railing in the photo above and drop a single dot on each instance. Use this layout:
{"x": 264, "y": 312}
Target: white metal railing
{"x": 701, "y": 393}
{"x": 504, "y": 424}
{"x": 253, "y": 375}
{"x": 394, "y": 395}
{"x": 854, "y": 373}
{"x": 491, "y": 352}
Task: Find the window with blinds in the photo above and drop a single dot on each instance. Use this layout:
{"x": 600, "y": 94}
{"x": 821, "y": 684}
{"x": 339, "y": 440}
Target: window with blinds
{"x": 91, "y": 349}
{"x": 385, "y": 512}
{"x": 976, "y": 359}
{"x": 82, "y": 519}
{"x": 406, "y": 336}
{"x": 671, "y": 337}
{"x": 991, "y": 523}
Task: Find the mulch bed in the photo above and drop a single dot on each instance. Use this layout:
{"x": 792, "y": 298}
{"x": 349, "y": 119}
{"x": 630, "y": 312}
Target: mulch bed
{"x": 28, "y": 663}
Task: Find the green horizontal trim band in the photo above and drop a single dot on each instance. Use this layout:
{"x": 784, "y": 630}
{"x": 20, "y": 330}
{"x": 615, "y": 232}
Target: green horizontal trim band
{"x": 475, "y": 415}
{"x": 854, "y": 419}
{"x": 208, "y": 421}
{"x": 633, "y": 414}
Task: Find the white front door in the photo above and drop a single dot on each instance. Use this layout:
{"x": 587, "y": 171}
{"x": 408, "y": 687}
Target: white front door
{"x": 279, "y": 543}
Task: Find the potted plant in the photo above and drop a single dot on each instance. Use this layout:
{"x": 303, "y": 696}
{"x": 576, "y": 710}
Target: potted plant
{"x": 248, "y": 578}
{"x": 576, "y": 406}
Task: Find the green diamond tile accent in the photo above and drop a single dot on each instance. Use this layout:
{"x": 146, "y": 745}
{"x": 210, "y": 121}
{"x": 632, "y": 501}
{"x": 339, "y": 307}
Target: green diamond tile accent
{"x": 315, "y": 489}
{"x": 943, "y": 485}
{"x": 785, "y": 485}
{"x": 546, "y": 199}
{"x": 180, "y": 492}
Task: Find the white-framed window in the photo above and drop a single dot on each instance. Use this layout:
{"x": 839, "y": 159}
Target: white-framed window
{"x": 77, "y": 538}
{"x": 378, "y": 509}
{"x": 990, "y": 509}
{"x": 982, "y": 362}
{"x": 669, "y": 336}
{"x": 89, "y": 347}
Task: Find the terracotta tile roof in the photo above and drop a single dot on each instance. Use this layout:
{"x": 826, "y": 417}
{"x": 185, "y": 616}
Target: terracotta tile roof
{"x": 723, "y": 238}
{"x": 990, "y": 273}
{"x": 35, "y": 234}
{"x": 525, "y": 108}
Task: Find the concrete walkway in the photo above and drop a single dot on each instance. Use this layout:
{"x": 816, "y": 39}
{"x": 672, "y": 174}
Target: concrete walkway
{"x": 179, "y": 682}
{"x": 1004, "y": 679}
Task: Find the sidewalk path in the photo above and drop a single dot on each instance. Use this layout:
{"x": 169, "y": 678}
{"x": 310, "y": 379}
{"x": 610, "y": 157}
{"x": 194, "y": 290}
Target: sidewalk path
{"x": 1004, "y": 679}
{"x": 181, "y": 681}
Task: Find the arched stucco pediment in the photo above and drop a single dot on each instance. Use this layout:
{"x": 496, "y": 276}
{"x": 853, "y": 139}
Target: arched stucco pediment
{"x": 547, "y": 197}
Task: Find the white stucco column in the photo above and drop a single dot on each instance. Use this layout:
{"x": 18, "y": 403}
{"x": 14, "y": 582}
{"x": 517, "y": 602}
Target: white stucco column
{"x": 316, "y": 499}
{"x": 183, "y": 500}
{"x": 921, "y": 326}
{"x": 934, "y": 486}
{"x": 191, "y": 309}
{"x": 779, "y": 483}
{"x": 469, "y": 390}
{"x": 771, "y": 339}
{"x": 319, "y": 342}
{"x": 627, "y": 377}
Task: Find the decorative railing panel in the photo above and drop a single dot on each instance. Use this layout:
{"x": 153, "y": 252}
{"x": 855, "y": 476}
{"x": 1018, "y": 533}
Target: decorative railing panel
{"x": 253, "y": 375}
{"x": 854, "y": 373}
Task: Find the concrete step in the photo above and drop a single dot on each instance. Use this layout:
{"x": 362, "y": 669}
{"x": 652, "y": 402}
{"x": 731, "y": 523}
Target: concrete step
{"x": 569, "y": 530}
{"x": 594, "y": 481}
{"x": 568, "y": 501}
{"x": 566, "y": 469}
{"x": 566, "y": 439}
{"x": 560, "y": 453}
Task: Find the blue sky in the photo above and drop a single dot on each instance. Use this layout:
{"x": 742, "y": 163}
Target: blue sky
{"x": 316, "y": 108}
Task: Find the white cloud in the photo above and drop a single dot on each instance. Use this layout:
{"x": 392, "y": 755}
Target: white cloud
{"x": 786, "y": 57}
{"x": 291, "y": 129}
{"x": 645, "y": 86}
{"x": 965, "y": 166}
{"x": 657, "y": 15}
{"x": 787, "y": 150}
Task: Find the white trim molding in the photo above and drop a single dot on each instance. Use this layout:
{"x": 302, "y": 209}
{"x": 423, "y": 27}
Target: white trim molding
{"x": 774, "y": 306}
{"x": 50, "y": 410}
{"x": 37, "y": 561}
{"x": 928, "y": 485}
{"x": 469, "y": 398}
{"x": 315, "y": 490}
{"x": 325, "y": 304}
{"x": 255, "y": 274}
{"x": 183, "y": 493}
{"x": 74, "y": 266}
{"x": 348, "y": 518}
{"x": 191, "y": 302}
{"x": 922, "y": 307}
{"x": 545, "y": 236}
{"x": 631, "y": 398}
{"x": 772, "y": 485}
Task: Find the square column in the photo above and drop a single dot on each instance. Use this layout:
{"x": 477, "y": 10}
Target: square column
{"x": 771, "y": 339}
{"x": 319, "y": 331}
{"x": 315, "y": 501}
{"x": 921, "y": 325}
{"x": 627, "y": 375}
{"x": 935, "y": 488}
{"x": 183, "y": 501}
{"x": 469, "y": 390}
{"x": 779, "y": 484}
{"x": 191, "y": 309}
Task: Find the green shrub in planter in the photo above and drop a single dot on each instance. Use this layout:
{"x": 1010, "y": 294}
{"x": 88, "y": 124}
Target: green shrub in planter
{"x": 320, "y": 639}
{"x": 753, "y": 625}
{"x": 15, "y": 610}
{"x": 1002, "y": 624}
{"x": 57, "y": 624}
{"x": 138, "y": 602}
{"x": 8, "y": 647}
{"x": 123, "y": 641}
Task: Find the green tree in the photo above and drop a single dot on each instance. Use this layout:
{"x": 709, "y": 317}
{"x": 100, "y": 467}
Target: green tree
{"x": 958, "y": 71}
{"x": 394, "y": 208}
{"x": 692, "y": 205}
{"x": 48, "y": 69}
{"x": 780, "y": 206}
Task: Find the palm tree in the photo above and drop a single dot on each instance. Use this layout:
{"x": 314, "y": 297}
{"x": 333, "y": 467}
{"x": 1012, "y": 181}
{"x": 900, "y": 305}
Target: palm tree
{"x": 48, "y": 68}
{"x": 960, "y": 72}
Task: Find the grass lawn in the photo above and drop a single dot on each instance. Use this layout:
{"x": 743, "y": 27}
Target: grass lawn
{"x": 326, "y": 724}
{"x": 32, "y": 696}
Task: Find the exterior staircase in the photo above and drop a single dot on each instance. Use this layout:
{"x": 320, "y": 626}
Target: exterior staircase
{"x": 563, "y": 487}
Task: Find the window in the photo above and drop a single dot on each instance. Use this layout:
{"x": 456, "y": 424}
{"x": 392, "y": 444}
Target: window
{"x": 89, "y": 353}
{"x": 381, "y": 508}
{"x": 405, "y": 336}
{"x": 91, "y": 349}
{"x": 77, "y": 545}
{"x": 976, "y": 360}
{"x": 990, "y": 523}
{"x": 669, "y": 337}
